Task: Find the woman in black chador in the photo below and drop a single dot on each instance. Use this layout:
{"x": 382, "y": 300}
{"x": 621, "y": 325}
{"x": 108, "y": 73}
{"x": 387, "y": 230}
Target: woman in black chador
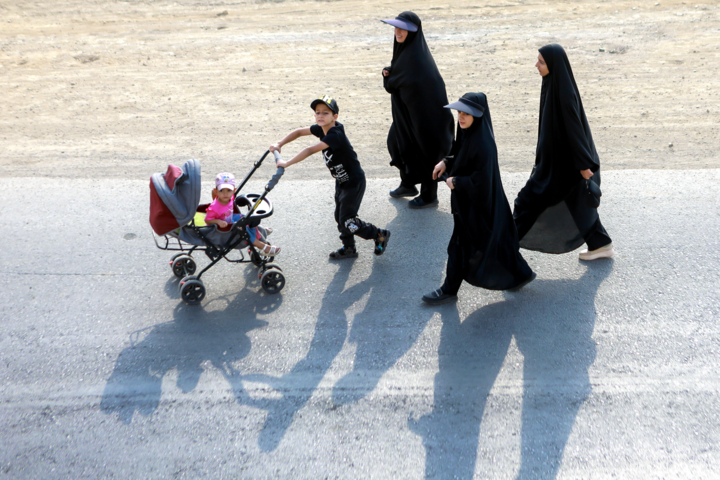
{"x": 552, "y": 213}
{"x": 422, "y": 131}
{"x": 484, "y": 248}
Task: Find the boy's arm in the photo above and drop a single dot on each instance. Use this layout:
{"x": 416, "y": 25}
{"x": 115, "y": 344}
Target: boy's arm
{"x": 304, "y": 153}
{"x": 294, "y": 135}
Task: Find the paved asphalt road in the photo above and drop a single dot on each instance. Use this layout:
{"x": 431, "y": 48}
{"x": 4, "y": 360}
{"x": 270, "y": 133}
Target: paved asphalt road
{"x": 606, "y": 369}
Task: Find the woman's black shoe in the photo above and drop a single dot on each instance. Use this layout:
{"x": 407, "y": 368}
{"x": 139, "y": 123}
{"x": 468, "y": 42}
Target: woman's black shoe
{"x": 530, "y": 279}
{"x": 438, "y": 297}
{"x": 418, "y": 202}
{"x": 403, "y": 191}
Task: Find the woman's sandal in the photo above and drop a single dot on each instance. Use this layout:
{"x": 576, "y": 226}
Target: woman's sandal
{"x": 269, "y": 250}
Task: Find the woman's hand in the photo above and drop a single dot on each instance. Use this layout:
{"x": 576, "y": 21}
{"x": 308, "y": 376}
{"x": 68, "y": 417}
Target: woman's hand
{"x": 586, "y": 174}
{"x": 449, "y": 183}
{"x": 275, "y": 147}
{"x": 439, "y": 170}
{"x": 385, "y": 72}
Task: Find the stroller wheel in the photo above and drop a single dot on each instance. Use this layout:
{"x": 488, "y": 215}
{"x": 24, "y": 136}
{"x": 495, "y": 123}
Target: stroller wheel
{"x": 272, "y": 280}
{"x": 267, "y": 267}
{"x": 183, "y": 265}
{"x": 192, "y": 290}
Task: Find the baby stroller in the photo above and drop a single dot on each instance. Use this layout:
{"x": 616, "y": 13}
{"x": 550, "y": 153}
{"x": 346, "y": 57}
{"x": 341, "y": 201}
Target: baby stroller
{"x": 178, "y": 220}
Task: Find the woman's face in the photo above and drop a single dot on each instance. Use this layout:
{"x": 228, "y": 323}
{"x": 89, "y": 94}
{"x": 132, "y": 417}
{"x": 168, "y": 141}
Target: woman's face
{"x": 400, "y": 34}
{"x": 542, "y": 66}
{"x": 465, "y": 120}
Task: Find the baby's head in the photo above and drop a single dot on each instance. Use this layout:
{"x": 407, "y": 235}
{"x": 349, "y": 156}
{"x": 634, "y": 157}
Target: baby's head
{"x": 224, "y": 187}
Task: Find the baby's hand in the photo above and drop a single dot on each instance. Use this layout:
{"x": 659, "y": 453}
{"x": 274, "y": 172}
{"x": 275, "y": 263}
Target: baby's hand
{"x": 275, "y": 147}
{"x": 222, "y": 223}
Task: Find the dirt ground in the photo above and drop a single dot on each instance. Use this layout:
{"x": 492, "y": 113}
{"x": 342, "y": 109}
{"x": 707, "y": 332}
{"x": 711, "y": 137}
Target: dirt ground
{"x": 122, "y": 88}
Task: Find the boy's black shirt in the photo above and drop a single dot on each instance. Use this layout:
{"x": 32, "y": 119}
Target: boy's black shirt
{"x": 340, "y": 158}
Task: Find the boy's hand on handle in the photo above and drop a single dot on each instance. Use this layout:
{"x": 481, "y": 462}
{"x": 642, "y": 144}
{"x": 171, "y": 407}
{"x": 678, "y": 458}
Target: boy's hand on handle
{"x": 439, "y": 170}
{"x": 586, "y": 174}
{"x": 281, "y": 164}
{"x": 275, "y": 147}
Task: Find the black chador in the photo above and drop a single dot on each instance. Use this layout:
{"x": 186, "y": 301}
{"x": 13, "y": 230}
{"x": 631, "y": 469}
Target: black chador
{"x": 484, "y": 247}
{"x": 422, "y": 130}
{"x": 551, "y": 213}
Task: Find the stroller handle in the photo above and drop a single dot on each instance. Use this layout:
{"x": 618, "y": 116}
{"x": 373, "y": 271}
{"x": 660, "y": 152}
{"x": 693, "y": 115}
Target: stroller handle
{"x": 256, "y": 165}
{"x": 279, "y": 173}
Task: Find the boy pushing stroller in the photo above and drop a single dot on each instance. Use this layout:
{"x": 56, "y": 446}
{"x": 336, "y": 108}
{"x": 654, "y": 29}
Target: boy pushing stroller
{"x": 341, "y": 160}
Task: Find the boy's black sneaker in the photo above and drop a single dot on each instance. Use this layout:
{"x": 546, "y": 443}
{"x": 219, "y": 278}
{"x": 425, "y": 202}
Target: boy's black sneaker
{"x": 344, "y": 252}
{"x": 381, "y": 241}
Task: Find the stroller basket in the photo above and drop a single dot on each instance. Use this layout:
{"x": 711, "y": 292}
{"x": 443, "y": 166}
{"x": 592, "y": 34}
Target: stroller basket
{"x": 178, "y": 221}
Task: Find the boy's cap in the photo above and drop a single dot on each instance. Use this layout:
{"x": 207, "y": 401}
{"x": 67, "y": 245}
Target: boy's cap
{"x": 467, "y": 106}
{"x": 225, "y": 180}
{"x": 329, "y": 101}
{"x": 402, "y": 23}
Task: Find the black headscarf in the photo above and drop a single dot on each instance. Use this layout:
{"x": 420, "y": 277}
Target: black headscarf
{"x": 565, "y": 147}
{"x": 422, "y": 130}
{"x": 484, "y": 233}
{"x": 564, "y": 139}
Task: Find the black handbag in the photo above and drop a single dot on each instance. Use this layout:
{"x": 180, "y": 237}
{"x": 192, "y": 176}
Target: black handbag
{"x": 592, "y": 193}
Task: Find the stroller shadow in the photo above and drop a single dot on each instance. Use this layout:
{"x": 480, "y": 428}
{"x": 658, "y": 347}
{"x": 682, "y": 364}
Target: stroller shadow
{"x": 552, "y": 322}
{"x": 183, "y": 345}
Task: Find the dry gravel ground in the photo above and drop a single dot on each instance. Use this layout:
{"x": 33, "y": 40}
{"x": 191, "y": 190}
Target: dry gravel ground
{"x": 119, "y": 89}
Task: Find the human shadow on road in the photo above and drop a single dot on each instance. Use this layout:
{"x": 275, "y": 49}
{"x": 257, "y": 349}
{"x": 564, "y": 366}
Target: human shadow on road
{"x": 394, "y": 316}
{"x": 552, "y": 322}
{"x": 375, "y": 330}
{"x": 192, "y": 338}
{"x": 298, "y": 385}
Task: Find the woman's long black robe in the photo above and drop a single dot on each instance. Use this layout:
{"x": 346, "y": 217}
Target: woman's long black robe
{"x": 483, "y": 249}
{"x": 422, "y": 130}
{"x": 551, "y": 213}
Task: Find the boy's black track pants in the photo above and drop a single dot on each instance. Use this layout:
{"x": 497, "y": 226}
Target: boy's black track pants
{"x": 348, "y": 197}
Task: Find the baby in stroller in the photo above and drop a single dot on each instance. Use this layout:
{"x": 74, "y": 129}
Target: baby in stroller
{"x": 222, "y": 230}
{"x": 220, "y": 213}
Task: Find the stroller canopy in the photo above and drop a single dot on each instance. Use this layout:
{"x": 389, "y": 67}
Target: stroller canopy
{"x": 174, "y": 197}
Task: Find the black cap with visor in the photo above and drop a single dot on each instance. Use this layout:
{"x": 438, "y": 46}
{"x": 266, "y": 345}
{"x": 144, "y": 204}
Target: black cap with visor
{"x": 468, "y": 106}
{"x": 328, "y": 101}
